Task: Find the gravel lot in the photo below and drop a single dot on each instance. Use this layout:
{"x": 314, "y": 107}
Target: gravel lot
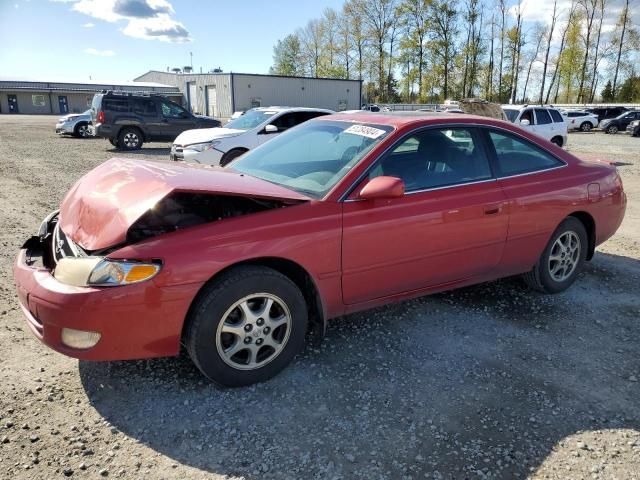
{"x": 491, "y": 381}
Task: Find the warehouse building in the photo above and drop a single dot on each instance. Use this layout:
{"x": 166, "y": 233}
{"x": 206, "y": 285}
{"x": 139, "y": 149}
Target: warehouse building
{"x": 220, "y": 94}
{"x": 46, "y": 97}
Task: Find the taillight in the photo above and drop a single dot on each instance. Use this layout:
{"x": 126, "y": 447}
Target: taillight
{"x": 100, "y": 116}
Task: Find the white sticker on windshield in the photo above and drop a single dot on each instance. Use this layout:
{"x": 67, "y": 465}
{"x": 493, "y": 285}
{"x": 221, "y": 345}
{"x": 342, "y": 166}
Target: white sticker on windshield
{"x": 364, "y": 131}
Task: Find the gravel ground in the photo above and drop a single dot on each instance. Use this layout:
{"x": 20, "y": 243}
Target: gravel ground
{"x": 491, "y": 381}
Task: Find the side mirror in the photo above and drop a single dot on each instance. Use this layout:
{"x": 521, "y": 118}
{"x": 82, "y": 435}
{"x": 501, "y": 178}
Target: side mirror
{"x": 270, "y": 129}
{"x": 525, "y": 122}
{"x": 382, "y": 187}
{"x": 185, "y": 115}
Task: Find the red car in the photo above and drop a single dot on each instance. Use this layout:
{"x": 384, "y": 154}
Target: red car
{"x": 340, "y": 214}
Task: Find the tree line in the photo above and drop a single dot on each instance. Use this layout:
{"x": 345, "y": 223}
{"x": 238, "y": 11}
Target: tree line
{"x": 426, "y": 51}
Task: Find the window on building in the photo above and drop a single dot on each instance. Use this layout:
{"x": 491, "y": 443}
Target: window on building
{"x": 38, "y": 100}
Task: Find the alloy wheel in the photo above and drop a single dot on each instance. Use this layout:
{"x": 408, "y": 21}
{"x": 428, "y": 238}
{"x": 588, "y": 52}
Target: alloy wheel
{"x": 564, "y": 256}
{"x": 131, "y": 140}
{"x": 253, "y": 331}
{"x": 83, "y": 130}
{"x": 586, "y": 127}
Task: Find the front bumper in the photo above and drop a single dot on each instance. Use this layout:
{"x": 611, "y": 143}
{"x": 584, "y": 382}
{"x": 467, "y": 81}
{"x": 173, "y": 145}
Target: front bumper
{"x": 207, "y": 157}
{"x": 135, "y": 321}
{"x": 64, "y": 128}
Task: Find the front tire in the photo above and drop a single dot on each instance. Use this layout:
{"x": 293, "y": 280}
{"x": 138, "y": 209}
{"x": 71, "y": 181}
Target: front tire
{"x": 81, "y": 130}
{"x": 586, "y": 127}
{"x": 246, "y": 326}
{"x": 612, "y": 130}
{"x": 561, "y": 260}
{"x": 130, "y": 139}
{"x": 231, "y": 155}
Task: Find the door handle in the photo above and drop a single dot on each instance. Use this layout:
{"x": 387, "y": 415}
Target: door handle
{"x": 492, "y": 210}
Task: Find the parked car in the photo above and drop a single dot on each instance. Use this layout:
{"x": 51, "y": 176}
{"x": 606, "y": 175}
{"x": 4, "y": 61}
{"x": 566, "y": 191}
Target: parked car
{"x": 372, "y": 107}
{"x": 128, "y": 120}
{"x": 484, "y": 108}
{"x": 579, "y": 120}
{"x": 634, "y": 128}
{"x": 605, "y": 113}
{"x": 341, "y": 214}
{"x": 614, "y": 125}
{"x": 76, "y": 124}
{"x": 219, "y": 146}
{"x": 545, "y": 122}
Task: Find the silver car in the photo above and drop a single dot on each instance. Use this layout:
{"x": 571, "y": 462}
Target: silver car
{"x": 76, "y": 124}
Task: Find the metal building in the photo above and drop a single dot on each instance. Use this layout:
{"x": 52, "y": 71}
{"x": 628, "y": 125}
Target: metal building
{"x": 220, "y": 94}
{"x": 46, "y": 97}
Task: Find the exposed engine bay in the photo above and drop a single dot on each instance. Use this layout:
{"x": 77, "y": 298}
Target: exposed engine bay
{"x": 181, "y": 210}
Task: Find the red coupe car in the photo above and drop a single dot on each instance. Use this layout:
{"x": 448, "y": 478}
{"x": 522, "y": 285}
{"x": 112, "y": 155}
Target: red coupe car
{"x": 340, "y": 214}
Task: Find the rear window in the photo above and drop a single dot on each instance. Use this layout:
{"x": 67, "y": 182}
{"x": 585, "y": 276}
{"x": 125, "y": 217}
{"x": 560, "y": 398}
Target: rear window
{"x": 115, "y": 105}
{"x": 557, "y": 118}
{"x": 95, "y": 104}
{"x": 517, "y": 156}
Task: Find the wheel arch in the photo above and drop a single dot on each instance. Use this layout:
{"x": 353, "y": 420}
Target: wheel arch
{"x": 145, "y": 138}
{"x": 560, "y": 140}
{"x": 590, "y": 226}
{"x": 226, "y": 154}
{"x": 290, "y": 269}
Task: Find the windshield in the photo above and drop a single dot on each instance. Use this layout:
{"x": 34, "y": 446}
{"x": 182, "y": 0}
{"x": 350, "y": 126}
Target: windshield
{"x": 251, "y": 119}
{"x": 312, "y": 158}
{"x": 511, "y": 114}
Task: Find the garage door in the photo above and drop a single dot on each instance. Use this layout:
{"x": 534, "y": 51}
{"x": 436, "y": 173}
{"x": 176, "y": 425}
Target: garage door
{"x": 211, "y": 101}
{"x": 193, "y": 99}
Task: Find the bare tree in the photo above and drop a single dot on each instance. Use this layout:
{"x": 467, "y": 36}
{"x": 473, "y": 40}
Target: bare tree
{"x": 562, "y": 43}
{"x": 539, "y": 34}
{"x": 620, "y": 43}
{"x": 503, "y": 13}
{"x": 596, "y": 58}
{"x": 415, "y": 16}
{"x": 488, "y": 91}
{"x": 549, "y": 39}
{"x": 378, "y": 18}
{"x": 443, "y": 33}
{"x": 358, "y": 36}
{"x": 589, "y": 7}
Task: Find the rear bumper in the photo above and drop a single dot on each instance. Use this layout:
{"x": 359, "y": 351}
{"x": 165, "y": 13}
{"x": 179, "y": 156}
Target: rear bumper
{"x": 135, "y": 321}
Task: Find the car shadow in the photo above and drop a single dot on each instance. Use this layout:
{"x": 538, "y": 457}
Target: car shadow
{"x": 484, "y": 380}
{"x": 157, "y": 151}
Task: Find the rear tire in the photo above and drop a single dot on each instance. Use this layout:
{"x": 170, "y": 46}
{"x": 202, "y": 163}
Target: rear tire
{"x": 562, "y": 258}
{"x": 231, "y": 155}
{"x": 81, "y": 130}
{"x": 130, "y": 138}
{"x": 236, "y": 337}
{"x": 557, "y": 141}
{"x": 586, "y": 127}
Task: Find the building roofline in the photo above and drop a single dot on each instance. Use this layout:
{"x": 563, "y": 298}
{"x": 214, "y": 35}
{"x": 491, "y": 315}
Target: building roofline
{"x": 251, "y": 75}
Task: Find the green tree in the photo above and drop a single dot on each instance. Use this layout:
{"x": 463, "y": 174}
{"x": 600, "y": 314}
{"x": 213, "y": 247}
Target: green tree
{"x": 287, "y": 57}
{"x": 629, "y": 91}
{"x": 443, "y": 32}
{"x": 607, "y": 93}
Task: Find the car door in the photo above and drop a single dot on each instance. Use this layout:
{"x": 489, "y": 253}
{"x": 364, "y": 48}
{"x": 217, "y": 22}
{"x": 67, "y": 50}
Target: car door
{"x": 543, "y": 124}
{"x": 147, "y": 113}
{"x": 449, "y": 225}
{"x": 627, "y": 119}
{"x": 528, "y": 175}
{"x": 174, "y": 121}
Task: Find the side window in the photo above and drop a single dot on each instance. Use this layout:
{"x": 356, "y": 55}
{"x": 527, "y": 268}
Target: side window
{"x": 115, "y": 105}
{"x": 171, "y": 110}
{"x": 571, "y": 114}
{"x": 516, "y": 156}
{"x": 286, "y": 121}
{"x": 435, "y": 158}
{"x": 144, "y": 107}
{"x": 304, "y": 116}
{"x": 542, "y": 117}
{"x": 527, "y": 115}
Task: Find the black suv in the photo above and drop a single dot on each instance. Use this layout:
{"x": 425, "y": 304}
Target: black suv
{"x": 605, "y": 113}
{"x": 130, "y": 119}
{"x": 620, "y": 123}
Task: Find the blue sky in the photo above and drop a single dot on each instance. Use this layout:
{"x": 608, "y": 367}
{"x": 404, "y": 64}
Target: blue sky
{"x": 118, "y": 40}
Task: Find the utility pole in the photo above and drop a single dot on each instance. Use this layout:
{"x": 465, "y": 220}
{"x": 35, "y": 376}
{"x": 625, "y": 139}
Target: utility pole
{"x": 191, "y": 55}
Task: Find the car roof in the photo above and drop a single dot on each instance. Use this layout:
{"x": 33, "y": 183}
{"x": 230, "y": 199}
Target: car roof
{"x": 278, "y": 108}
{"x": 399, "y": 119}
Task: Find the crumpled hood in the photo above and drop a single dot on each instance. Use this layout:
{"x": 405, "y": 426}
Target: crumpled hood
{"x": 97, "y": 212}
{"x": 201, "y": 135}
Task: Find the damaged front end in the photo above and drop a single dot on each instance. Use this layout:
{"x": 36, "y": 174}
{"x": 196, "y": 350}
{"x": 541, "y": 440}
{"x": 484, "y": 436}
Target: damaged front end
{"x": 73, "y": 264}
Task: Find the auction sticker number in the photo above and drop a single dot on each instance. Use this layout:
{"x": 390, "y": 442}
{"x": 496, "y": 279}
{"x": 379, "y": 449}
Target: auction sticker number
{"x": 364, "y": 131}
